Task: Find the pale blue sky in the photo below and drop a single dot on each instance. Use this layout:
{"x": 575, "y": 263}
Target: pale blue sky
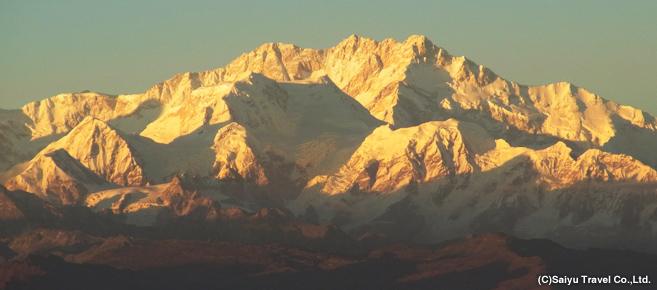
{"x": 120, "y": 47}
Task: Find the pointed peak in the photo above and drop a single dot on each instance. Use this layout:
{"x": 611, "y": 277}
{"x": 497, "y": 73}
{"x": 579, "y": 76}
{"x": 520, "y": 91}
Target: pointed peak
{"x": 274, "y": 46}
{"x": 232, "y": 129}
{"x": 324, "y": 79}
{"x": 356, "y": 41}
{"x": 271, "y": 213}
{"x": 419, "y": 40}
{"x": 253, "y": 78}
{"x": 176, "y": 181}
{"x": 182, "y": 182}
{"x": 563, "y": 86}
{"x": 593, "y": 153}
{"x": 353, "y": 37}
{"x": 559, "y": 147}
{"x": 234, "y": 126}
{"x": 416, "y": 38}
{"x": 91, "y": 123}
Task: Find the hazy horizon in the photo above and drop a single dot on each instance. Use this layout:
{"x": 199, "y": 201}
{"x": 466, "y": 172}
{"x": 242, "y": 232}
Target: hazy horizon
{"x": 606, "y": 47}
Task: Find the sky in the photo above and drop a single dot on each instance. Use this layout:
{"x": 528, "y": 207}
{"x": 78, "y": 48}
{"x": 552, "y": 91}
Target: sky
{"x": 126, "y": 47}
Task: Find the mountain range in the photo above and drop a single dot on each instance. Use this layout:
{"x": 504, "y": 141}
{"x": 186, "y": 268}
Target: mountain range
{"x": 367, "y": 142}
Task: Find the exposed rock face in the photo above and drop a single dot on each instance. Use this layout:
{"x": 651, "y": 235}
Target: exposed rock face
{"x": 182, "y": 200}
{"x": 235, "y": 158}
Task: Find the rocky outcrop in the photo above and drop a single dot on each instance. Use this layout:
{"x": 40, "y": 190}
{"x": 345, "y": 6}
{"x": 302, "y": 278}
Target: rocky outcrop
{"x": 12, "y": 217}
{"x": 234, "y": 157}
{"x": 183, "y": 200}
{"x": 9, "y": 211}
